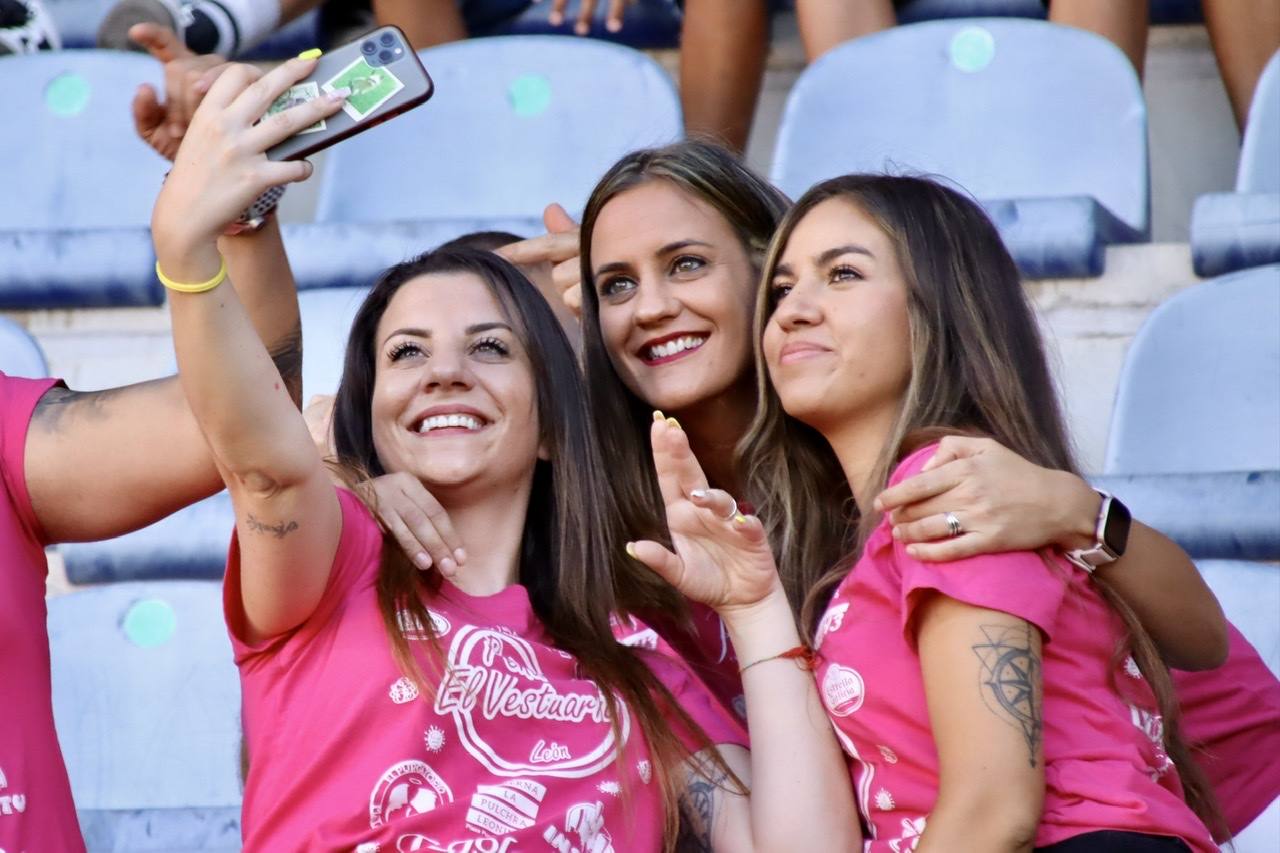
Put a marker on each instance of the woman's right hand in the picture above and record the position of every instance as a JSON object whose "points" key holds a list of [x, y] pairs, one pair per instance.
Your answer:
{"points": [[418, 522], [722, 558], [221, 166]]}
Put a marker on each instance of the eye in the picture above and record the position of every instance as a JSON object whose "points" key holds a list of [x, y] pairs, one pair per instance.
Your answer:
{"points": [[404, 349], [845, 272], [616, 286], [777, 291], [686, 264], [492, 347]]}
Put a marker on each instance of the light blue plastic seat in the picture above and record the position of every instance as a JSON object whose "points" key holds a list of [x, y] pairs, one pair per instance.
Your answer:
{"points": [[1046, 125], [20, 355], [1250, 597], [147, 703], [1200, 387], [1241, 229], [73, 230], [516, 122]]}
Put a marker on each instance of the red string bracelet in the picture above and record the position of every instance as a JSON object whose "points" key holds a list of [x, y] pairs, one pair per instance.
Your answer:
{"points": [[804, 657]]}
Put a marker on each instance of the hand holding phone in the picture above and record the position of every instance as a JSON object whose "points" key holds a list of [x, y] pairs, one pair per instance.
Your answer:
{"points": [[384, 77]]}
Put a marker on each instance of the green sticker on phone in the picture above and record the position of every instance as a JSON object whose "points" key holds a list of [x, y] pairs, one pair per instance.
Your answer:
{"points": [[296, 95], [370, 88]]}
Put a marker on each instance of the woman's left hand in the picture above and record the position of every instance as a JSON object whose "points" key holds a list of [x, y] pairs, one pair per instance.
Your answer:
{"points": [[1002, 501], [222, 166]]}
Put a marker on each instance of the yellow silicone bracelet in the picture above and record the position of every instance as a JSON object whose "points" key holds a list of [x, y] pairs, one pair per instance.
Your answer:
{"points": [[193, 288]]}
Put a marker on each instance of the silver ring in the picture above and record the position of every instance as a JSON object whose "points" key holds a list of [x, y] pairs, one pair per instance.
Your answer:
{"points": [[733, 513], [954, 527]]}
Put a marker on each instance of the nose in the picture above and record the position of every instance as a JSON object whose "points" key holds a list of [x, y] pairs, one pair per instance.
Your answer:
{"points": [[654, 303], [799, 308], [445, 370]]}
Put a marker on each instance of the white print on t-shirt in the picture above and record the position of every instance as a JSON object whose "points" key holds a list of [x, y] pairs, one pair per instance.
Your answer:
{"points": [[884, 800], [586, 821], [494, 682], [842, 690], [1131, 668], [645, 769], [407, 788], [1152, 725], [646, 639], [411, 628], [403, 690], [889, 756], [863, 772], [367, 847], [610, 787], [11, 803], [506, 808], [413, 843], [433, 739], [910, 838], [831, 621]]}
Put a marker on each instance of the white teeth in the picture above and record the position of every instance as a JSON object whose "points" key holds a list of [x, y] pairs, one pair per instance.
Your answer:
{"points": [[670, 348], [448, 421]]}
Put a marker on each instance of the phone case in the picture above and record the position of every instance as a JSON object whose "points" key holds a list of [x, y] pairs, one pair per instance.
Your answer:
{"points": [[385, 76]]}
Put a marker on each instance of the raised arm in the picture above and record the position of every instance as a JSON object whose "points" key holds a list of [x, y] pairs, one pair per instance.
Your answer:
{"points": [[800, 797], [984, 689], [1006, 503], [87, 448], [287, 512]]}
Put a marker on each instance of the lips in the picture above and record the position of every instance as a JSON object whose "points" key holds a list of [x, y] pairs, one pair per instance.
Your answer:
{"points": [[800, 351], [671, 347]]}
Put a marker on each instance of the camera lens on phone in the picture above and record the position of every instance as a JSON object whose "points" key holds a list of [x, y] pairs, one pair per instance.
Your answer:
{"points": [[368, 48], [388, 39], [385, 55]]}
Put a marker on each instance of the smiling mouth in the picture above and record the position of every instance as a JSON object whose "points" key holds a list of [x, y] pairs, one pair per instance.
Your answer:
{"points": [[671, 350], [449, 424]]}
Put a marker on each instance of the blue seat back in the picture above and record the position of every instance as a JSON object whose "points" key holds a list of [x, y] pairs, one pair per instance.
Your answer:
{"points": [[146, 696], [1007, 108], [20, 355], [326, 323], [1259, 170], [76, 160], [1250, 597], [516, 122], [1200, 386]]}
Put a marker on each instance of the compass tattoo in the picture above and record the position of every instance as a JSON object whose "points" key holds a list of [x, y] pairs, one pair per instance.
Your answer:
{"points": [[1011, 680]]}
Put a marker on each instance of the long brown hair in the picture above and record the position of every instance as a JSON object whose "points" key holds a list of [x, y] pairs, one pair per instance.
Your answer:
{"points": [[752, 207], [571, 559], [977, 366]]}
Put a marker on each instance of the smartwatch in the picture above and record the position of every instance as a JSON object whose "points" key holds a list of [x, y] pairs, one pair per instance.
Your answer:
{"points": [[1111, 535]]}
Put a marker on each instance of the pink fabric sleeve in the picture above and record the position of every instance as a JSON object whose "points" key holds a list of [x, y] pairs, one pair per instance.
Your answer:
{"points": [[356, 561], [18, 399], [697, 701], [1019, 583]]}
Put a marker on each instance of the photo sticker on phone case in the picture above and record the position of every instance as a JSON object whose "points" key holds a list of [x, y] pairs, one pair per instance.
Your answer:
{"points": [[296, 95], [370, 88]]}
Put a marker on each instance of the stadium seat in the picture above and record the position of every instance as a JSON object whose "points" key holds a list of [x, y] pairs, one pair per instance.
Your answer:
{"points": [[1200, 386], [1250, 597], [516, 122], [646, 24], [986, 103], [77, 234], [146, 699], [1241, 229], [20, 355], [77, 22], [326, 324]]}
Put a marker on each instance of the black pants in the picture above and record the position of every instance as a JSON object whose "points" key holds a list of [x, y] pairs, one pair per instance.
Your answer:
{"points": [[1112, 841]]}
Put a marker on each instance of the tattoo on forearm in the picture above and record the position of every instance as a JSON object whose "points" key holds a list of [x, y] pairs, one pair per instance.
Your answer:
{"points": [[1011, 680], [278, 530], [697, 806], [287, 355]]}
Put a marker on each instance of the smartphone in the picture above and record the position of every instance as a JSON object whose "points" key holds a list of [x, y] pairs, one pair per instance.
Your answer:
{"points": [[385, 77]]}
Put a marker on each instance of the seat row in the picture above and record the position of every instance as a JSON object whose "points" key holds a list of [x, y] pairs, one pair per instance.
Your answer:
{"points": [[1046, 125]]}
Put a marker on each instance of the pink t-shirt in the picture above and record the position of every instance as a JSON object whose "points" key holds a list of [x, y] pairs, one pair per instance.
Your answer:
{"points": [[1232, 714], [36, 812], [1103, 766], [514, 751]]}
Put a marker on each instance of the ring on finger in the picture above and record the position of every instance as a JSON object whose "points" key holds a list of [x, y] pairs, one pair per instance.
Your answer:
{"points": [[954, 527]]}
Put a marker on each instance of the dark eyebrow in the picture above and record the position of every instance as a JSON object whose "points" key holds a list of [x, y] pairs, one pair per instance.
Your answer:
{"points": [[782, 269], [831, 254], [426, 333]]}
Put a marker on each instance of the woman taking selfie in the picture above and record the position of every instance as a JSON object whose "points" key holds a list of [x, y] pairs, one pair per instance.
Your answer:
{"points": [[982, 700], [388, 708]]}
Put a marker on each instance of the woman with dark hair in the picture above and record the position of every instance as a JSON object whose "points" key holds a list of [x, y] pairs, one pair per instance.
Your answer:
{"points": [[389, 708], [989, 703]]}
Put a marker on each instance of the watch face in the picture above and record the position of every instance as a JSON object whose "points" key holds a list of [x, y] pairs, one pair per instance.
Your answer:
{"points": [[1115, 532]]}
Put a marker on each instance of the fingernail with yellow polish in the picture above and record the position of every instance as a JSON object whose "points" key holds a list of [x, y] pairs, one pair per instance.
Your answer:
{"points": [[739, 519], [658, 416], [672, 422], [314, 53]]}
